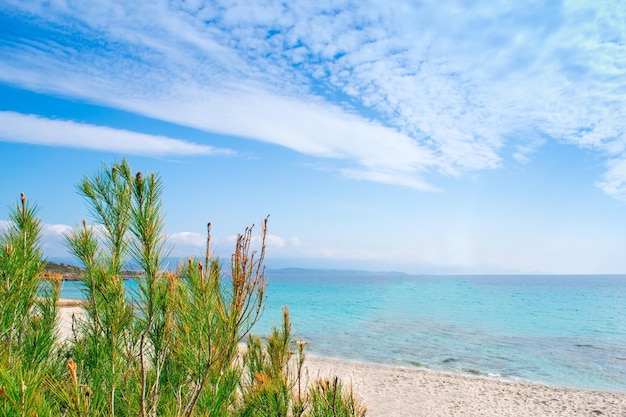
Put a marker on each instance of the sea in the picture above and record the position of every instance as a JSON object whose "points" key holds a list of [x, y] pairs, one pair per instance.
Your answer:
{"points": [[560, 330]]}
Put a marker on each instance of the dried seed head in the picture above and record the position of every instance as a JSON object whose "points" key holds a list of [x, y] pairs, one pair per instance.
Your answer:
{"points": [[171, 280], [261, 377], [71, 366], [3, 392]]}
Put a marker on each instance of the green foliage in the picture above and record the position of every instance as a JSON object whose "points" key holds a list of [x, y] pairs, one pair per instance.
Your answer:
{"points": [[275, 383], [328, 399], [274, 378], [28, 314], [173, 349]]}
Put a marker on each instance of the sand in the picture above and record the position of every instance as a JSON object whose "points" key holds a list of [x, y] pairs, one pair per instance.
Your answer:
{"points": [[66, 311], [410, 392], [399, 392]]}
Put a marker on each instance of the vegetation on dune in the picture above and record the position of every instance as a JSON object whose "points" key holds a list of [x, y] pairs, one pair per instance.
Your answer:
{"points": [[75, 273], [67, 272], [173, 350]]}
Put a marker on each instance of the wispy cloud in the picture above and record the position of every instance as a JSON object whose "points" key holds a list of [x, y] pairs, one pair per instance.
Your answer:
{"points": [[17, 127], [395, 93], [614, 180], [193, 239], [193, 243], [181, 243], [58, 230], [271, 241], [390, 177], [52, 239], [434, 249]]}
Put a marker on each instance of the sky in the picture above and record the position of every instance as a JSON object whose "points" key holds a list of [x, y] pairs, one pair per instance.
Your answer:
{"points": [[414, 136]]}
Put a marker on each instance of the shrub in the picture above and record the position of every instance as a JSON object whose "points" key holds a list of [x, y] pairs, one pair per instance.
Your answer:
{"points": [[171, 350], [28, 315]]}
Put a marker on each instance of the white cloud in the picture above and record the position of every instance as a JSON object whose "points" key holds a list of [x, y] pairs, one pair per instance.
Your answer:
{"points": [[432, 250], [184, 242], [527, 144], [17, 127], [181, 243], [390, 177], [56, 230], [271, 241], [614, 180], [308, 127], [53, 239], [193, 239], [394, 92], [51, 236]]}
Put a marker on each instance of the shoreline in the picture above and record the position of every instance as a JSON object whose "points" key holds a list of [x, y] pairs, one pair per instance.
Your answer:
{"points": [[391, 391], [478, 376], [394, 391]]}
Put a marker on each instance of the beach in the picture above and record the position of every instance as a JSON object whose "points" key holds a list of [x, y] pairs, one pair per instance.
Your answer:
{"points": [[389, 391], [67, 309], [402, 392]]}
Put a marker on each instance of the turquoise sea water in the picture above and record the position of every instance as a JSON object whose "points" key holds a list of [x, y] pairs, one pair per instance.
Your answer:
{"points": [[557, 330]]}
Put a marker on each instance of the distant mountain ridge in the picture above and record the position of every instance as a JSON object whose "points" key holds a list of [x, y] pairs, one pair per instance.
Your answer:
{"points": [[74, 273]]}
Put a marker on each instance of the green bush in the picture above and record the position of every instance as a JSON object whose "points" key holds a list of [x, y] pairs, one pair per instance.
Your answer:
{"points": [[174, 349], [28, 315]]}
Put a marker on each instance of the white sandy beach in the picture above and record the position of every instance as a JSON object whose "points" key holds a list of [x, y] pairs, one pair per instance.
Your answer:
{"points": [[406, 392], [401, 392]]}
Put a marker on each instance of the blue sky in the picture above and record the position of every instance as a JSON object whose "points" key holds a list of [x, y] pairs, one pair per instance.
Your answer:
{"points": [[476, 137]]}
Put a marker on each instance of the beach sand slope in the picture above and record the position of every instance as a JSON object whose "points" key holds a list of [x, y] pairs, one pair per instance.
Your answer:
{"points": [[402, 392], [406, 392]]}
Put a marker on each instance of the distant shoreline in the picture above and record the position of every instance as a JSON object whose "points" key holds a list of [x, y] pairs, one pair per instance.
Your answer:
{"points": [[69, 272], [70, 302]]}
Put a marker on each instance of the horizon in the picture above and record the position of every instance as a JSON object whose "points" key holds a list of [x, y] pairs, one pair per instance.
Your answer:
{"points": [[129, 267], [417, 138]]}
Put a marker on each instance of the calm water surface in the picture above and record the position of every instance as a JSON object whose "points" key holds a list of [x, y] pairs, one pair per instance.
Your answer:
{"points": [[559, 330]]}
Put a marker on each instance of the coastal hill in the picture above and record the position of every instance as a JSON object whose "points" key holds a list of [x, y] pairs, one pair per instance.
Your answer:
{"points": [[69, 272], [74, 273]]}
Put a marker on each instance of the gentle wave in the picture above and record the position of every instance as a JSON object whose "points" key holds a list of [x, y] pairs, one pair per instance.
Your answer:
{"points": [[557, 330]]}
